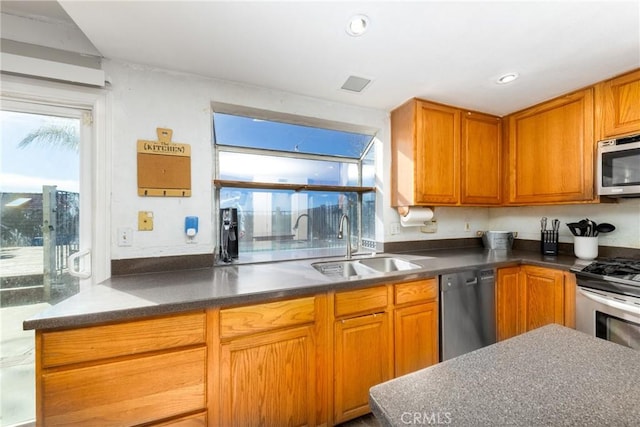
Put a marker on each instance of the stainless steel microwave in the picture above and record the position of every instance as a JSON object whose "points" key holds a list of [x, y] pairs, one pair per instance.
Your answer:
{"points": [[618, 167]]}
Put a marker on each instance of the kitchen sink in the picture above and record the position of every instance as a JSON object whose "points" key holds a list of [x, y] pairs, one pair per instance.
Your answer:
{"points": [[388, 264], [363, 267], [344, 269]]}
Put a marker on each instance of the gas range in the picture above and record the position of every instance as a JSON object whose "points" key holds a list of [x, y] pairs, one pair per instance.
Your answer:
{"points": [[618, 275]]}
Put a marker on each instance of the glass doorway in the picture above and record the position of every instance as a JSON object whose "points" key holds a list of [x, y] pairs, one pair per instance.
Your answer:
{"points": [[40, 202]]}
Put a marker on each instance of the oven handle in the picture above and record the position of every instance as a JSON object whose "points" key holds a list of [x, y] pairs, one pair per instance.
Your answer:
{"points": [[606, 301]]}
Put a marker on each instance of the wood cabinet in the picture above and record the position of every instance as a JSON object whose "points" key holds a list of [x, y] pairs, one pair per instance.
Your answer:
{"points": [[415, 326], [551, 151], [481, 160], [144, 371], [618, 105], [362, 354], [438, 153], [529, 297], [269, 364], [361, 360]]}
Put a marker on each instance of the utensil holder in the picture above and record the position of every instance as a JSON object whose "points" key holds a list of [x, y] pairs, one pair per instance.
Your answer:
{"points": [[585, 247], [549, 242]]}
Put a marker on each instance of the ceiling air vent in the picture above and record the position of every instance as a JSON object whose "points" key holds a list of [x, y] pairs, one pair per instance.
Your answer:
{"points": [[355, 84]]}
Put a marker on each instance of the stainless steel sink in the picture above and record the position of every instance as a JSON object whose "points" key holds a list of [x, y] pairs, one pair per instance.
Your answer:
{"points": [[388, 264], [344, 269], [363, 267]]}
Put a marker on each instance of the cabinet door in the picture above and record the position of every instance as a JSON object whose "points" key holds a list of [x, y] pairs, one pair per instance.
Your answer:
{"points": [[416, 337], [620, 105], [544, 297], [437, 154], [551, 150], [362, 360], [509, 304], [269, 379], [481, 175]]}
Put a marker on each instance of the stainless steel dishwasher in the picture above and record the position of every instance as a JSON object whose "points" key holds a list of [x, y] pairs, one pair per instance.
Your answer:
{"points": [[467, 312]]}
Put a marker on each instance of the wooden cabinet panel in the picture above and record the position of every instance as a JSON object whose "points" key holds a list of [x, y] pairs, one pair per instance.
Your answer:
{"points": [[197, 420], [421, 290], [551, 151], [415, 337], [509, 305], [481, 160], [361, 360], [126, 392], [437, 154], [544, 297], [619, 100], [361, 301], [263, 317], [269, 379], [101, 342]]}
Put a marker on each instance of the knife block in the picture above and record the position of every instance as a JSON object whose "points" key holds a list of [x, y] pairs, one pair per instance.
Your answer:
{"points": [[549, 242]]}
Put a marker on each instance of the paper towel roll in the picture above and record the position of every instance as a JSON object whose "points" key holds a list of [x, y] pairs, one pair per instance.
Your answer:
{"points": [[416, 217]]}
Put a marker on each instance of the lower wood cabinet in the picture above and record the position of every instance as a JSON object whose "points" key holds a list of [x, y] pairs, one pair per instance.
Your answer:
{"points": [[529, 297], [361, 360], [269, 379], [152, 370], [303, 361]]}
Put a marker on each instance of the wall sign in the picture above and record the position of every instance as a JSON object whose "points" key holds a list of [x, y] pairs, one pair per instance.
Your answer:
{"points": [[164, 167]]}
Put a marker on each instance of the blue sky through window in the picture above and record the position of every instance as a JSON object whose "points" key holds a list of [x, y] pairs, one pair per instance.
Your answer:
{"points": [[241, 131]]}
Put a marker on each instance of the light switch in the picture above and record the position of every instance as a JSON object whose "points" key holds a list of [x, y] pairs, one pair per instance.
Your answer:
{"points": [[145, 221]]}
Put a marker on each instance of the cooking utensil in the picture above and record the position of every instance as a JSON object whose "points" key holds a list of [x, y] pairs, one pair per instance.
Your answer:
{"points": [[605, 227], [575, 228], [543, 224]]}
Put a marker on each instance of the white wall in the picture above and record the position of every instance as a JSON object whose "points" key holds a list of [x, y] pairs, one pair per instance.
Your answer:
{"points": [[624, 215], [143, 99]]}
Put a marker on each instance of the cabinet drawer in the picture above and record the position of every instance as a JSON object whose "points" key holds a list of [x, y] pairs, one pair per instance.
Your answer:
{"points": [[126, 392], [122, 339], [422, 290], [264, 317], [361, 301]]}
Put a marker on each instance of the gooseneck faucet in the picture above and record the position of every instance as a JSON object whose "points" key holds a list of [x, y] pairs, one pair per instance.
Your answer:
{"points": [[344, 218]]}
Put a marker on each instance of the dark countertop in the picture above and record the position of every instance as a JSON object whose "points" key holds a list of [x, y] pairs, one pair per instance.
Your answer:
{"points": [[547, 377], [134, 296]]}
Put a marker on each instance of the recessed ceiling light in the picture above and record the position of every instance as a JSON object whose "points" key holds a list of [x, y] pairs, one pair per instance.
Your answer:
{"points": [[507, 78], [357, 25]]}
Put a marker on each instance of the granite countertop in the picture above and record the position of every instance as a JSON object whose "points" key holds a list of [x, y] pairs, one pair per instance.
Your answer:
{"points": [[134, 296], [549, 376]]}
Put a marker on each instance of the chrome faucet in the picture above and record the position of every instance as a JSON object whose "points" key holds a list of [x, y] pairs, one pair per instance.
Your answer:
{"points": [[349, 249], [309, 229]]}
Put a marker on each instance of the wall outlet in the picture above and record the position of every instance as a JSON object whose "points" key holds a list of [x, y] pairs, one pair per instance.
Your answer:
{"points": [[467, 226], [430, 227], [395, 228], [125, 236]]}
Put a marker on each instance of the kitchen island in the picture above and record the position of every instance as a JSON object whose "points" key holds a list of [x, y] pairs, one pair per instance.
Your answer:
{"points": [[549, 376]]}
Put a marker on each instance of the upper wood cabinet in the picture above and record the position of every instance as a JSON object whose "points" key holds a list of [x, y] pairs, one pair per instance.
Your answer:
{"points": [[618, 102], [481, 160], [438, 154], [551, 151], [425, 146]]}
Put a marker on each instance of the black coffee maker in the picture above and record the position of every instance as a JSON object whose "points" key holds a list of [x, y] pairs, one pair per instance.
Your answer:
{"points": [[228, 234]]}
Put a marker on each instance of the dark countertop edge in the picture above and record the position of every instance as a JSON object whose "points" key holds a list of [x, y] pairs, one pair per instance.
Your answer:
{"points": [[152, 310]]}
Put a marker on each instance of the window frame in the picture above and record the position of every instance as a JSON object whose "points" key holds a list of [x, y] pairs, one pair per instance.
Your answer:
{"points": [[218, 183]]}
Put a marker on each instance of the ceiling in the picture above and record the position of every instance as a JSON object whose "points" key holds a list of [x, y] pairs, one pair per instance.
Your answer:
{"points": [[445, 51]]}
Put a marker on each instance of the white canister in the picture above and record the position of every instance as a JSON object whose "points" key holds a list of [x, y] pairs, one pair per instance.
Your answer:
{"points": [[585, 247]]}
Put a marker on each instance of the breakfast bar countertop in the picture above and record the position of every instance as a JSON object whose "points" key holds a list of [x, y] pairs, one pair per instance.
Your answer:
{"points": [[547, 377], [134, 296]]}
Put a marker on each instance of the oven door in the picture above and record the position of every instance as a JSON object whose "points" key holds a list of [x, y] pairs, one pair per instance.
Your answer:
{"points": [[609, 316]]}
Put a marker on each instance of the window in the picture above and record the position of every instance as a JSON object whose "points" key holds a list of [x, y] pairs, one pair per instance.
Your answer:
{"points": [[291, 184]]}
